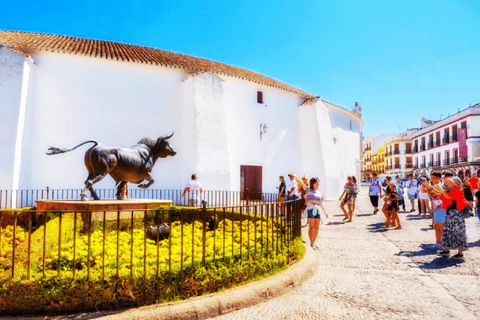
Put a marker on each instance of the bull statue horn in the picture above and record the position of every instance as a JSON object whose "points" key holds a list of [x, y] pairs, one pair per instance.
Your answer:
{"points": [[168, 137]]}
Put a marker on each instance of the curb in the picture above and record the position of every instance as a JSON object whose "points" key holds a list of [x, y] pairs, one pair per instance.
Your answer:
{"points": [[220, 303]]}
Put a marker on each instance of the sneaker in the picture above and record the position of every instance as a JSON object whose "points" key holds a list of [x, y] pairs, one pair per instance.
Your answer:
{"points": [[444, 253], [458, 256]]}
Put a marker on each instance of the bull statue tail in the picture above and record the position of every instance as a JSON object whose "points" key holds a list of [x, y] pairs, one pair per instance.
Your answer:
{"points": [[53, 150]]}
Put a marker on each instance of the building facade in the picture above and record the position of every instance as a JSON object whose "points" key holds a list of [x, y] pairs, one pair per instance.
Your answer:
{"points": [[450, 144], [232, 127], [399, 154]]}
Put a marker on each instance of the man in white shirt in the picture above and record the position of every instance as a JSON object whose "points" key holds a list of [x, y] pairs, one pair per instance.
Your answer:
{"points": [[292, 187], [412, 187], [375, 192], [194, 189]]}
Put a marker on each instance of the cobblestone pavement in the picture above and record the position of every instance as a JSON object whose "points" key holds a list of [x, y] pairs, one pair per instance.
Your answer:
{"points": [[367, 272]]}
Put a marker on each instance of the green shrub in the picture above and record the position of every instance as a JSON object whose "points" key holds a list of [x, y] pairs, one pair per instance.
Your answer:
{"points": [[169, 276]]}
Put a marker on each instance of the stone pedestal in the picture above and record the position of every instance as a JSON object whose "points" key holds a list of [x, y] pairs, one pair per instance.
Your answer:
{"points": [[112, 208]]}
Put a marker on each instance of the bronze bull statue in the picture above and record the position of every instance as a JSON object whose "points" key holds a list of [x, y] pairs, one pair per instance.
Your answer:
{"points": [[132, 164]]}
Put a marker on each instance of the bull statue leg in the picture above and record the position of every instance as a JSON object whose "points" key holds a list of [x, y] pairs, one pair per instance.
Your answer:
{"points": [[146, 185], [91, 180], [120, 187]]}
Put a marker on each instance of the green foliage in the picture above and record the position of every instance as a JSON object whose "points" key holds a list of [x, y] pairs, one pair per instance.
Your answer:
{"points": [[107, 278]]}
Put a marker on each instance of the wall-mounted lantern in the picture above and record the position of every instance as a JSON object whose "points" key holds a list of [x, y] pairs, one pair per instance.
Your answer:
{"points": [[334, 140], [263, 130]]}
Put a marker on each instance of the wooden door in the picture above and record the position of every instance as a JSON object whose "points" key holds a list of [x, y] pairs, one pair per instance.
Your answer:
{"points": [[251, 182]]}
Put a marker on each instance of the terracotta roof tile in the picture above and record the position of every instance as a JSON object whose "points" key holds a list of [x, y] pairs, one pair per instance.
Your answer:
{"points": [[28, 43]]}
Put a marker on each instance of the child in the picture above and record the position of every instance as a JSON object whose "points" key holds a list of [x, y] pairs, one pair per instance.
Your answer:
{"points": [[390, 207]]}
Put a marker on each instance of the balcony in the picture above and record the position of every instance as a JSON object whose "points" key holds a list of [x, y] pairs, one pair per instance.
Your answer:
{"points": [[454, 137], [430, 144], [422, 147], [397, 166], [396, 152], [437, 142], [454, 160], [416, 167], [437, 163], [446, 162], [423, 166], [408, 151], [409, 166], [430, 164], [446, 140], [463, 160]]}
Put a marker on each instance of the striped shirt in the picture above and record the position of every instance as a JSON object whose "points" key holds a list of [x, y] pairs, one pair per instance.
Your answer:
{"points": [[313, 197]]}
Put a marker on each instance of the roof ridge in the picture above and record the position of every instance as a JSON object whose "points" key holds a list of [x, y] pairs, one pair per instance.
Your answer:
{"points": [[31, 41]]}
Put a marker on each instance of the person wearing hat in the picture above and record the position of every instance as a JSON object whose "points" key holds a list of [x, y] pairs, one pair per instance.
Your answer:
{"points": [[438, 216], [292, 187], [454, 230]]}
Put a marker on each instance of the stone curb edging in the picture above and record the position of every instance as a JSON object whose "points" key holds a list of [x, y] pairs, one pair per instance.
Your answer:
{"points": [[216, 304]]}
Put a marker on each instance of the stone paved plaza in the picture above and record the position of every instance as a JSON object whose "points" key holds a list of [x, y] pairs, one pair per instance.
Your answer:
{"points": [[367, 272]]}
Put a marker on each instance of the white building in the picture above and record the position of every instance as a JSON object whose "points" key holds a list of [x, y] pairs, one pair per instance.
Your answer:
{"points": [[399, 154], [234, 128], [450, 144]]}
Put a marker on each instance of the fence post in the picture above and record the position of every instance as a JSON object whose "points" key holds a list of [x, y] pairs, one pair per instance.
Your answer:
{"points": [[204, 239]]}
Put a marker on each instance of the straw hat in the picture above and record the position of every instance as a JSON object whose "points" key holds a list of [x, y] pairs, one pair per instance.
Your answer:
{"points": [[455, 180], [437, 189], [305, 177]]}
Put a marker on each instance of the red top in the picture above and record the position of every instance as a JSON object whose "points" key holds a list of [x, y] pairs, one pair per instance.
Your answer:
{"points": [[455, 194], [474, 182]]}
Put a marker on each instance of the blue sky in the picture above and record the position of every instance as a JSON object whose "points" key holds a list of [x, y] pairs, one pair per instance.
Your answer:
{"points": [[402, 60]]}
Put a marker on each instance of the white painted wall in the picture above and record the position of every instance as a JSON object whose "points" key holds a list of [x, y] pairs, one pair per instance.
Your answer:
{"points": [[11, 77], [72, 98], [76, 98]]}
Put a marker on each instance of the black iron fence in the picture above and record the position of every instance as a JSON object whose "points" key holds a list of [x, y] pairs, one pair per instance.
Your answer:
{"points": [[141, 244], [27, 198]]}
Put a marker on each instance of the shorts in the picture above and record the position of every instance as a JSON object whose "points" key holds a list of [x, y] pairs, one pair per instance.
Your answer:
{"points": [[311, 216], [355, 194], [348, 201], [412, 196], [439, 215], [374, 201]]}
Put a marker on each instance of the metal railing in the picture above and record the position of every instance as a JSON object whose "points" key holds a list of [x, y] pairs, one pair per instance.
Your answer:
{"points": [[27, 198], [99, 244]]}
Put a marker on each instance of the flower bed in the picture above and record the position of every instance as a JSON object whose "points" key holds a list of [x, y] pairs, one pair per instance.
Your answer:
{"points": [[123, 267]]}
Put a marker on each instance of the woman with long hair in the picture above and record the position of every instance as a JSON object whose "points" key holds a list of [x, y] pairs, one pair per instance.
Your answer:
{"points": [[313, 199], [390, 207]]}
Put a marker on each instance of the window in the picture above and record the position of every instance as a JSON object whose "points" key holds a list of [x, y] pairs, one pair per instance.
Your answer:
{"points": [[446, 136], [259, 97], [454, 133], [408, 148], [446, 161], [430, 141], [437, 138]]}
